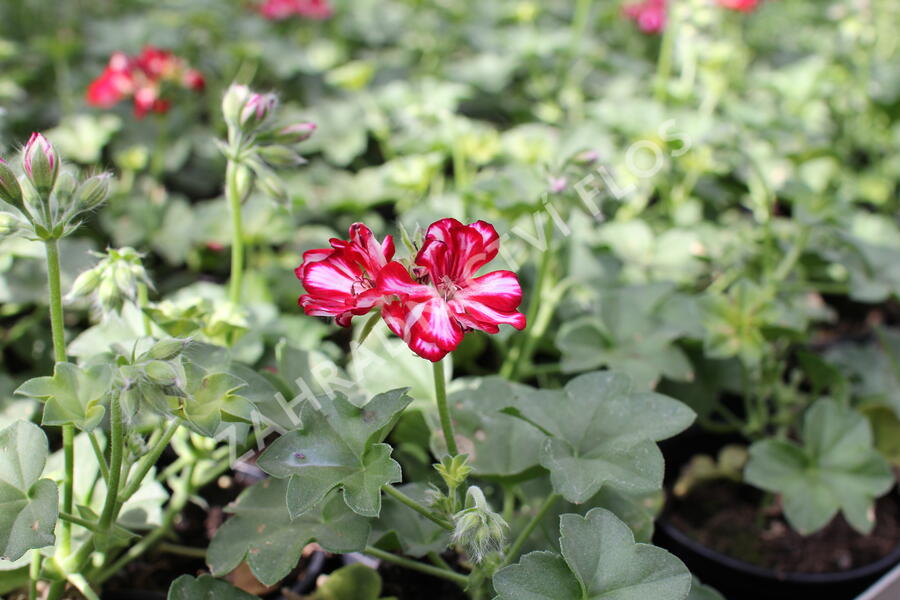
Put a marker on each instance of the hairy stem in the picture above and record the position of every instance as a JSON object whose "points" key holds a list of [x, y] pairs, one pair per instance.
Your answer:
{"points": [[233, 195], [116, 448], [440, 393], [422, 510], [413, 565], [513, 552]]}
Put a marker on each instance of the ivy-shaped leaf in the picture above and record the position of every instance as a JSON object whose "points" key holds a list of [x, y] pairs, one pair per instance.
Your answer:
{"points": [[338, 446], [29, 505], [263, 533], [498, 444], [599, 559], [703, 592], [836, 468], [205, 587], [73, 395], [601, 432]]}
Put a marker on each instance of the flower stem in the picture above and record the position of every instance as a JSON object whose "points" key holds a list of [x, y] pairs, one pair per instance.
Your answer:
{"points": [[440, 394], [457, 578], [79, 521], [233, 196], [147, 462], [34, 574], [59, 355], [664, 63], [82, 585], [116, 447], [513, 552], [180, 550], [422, 510], [98, 452]]}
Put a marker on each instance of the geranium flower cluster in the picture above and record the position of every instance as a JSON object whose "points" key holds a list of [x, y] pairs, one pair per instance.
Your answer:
{"points": [[277, 10], [431, 303], [739, 5], [142, 78]]}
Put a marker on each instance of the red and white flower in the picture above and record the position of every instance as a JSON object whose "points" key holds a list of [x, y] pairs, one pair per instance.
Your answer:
{"points": [[341, 281], [435, 306]]}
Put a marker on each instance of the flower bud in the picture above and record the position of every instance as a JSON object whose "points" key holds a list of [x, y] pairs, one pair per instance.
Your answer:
{"points": [[454, 470], [109, 296], [92, 192], [8, 224], [41, 163], [479, 530], [270, 184], [558, 184], [233, 101], [294, 134], [10, 191], [86, 283], [166, 349], [587, 157], [160, 372], [280, 156], [256, 110]]}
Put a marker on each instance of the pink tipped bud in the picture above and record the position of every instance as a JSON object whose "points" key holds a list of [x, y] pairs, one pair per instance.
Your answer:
{"points": [[558, 184], [41, 163], [296, 133], [194, 80], [588, 157], [257, 109]]}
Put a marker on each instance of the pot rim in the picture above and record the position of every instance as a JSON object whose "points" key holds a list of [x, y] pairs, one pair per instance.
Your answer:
{"points": [[868, 570]]}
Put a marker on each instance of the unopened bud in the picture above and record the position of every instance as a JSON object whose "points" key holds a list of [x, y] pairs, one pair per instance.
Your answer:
{"points": [[233, 101], [558, 184], [92, 192], [109, 296], [280, 156], [294, 134], [166, 349], [41, 163], [587, 157], [271, 185], [256, 110], [161, 372], [480, 530], [86, 283], [454, 470], [10, 191]]}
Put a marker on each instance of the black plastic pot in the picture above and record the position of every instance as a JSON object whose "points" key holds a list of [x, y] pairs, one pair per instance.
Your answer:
{"points": [[740, 580]]}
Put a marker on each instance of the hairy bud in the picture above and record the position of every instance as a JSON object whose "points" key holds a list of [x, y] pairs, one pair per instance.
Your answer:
{"points": [[41, 163], [478, 529], [10, 191]]}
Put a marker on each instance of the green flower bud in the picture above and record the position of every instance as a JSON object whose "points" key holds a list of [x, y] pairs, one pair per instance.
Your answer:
{"points": [[10, 191], [233, 101], [92, 192], [86, 283], [280, 156], [166, 349], [478, 529], [454, 470], [161, 372], [256, 110], [109, 296], [271, 185], [41, 163]]}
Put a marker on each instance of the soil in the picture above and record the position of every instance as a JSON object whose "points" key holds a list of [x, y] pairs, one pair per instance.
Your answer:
{"points": [[410, 585], [726, 517]]}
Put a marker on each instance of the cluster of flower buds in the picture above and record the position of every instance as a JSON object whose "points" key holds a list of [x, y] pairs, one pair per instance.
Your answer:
{"points": [[478, 529], [142, 78], [257, 142], [48, 200], [278, 10], [113, 280]]}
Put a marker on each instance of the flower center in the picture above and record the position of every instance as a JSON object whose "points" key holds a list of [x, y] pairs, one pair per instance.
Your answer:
{"points": [[361, 285], [447, 288]]}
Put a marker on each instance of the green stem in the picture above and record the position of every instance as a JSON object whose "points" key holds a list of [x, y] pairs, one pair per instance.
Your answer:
{"points": [[438, 561], [513, 552], [101, 460], [80, 522], [579, 24], [790, 259], [143, 302], [422, 510], [413, 565], [440, 394], [82, 585], [180, 550], [116, 447], [233, 195], [519, 352], [34, 574], [664, 63], [57, 589], [59, 355], [148, 461]]}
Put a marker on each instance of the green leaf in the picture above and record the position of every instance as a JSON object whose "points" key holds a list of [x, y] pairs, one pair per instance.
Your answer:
{"points": [[836, 468], [213, 399], [416, 535], [29, 506], [73, 395], [498, 444], [263, 533], [205, 587], [601, 433], [599, 560], [338, 446], [703, 592]]}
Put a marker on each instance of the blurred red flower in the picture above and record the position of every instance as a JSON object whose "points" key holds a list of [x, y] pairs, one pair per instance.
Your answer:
{"points": [[649, 15], [277, 10]]}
